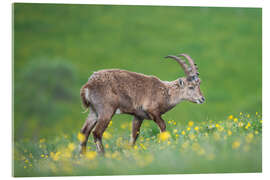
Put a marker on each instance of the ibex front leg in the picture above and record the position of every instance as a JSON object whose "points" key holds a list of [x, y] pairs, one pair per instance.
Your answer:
{"points": [[160, 122], [136, 124]]}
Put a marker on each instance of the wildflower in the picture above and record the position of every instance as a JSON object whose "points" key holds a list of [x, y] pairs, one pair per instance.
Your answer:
{"points": [[26, 161], [135, 147], [188, 129], [190, 123], [110, 124], [235, 120], [143, 147], [55, 156], [24, 167], [42, 140], [91, 155], [229, 132], [106, 146], [175, 131], [261, 121], [174, 123], [169, 142], [241, 113], [256, 132], [248, 115], [71, 146], [235, 144], [30, 165], [31, 155], [240, 124], [176, 135], [183, 132], [217, 125], [248, 125], [81, 137], [257, 113], [164, 136], [42, 155], [196, 128], [231, 117], [107, 135]]}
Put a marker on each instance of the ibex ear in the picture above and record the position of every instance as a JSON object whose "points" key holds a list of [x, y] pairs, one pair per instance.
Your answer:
{"points": [[181, 82]]}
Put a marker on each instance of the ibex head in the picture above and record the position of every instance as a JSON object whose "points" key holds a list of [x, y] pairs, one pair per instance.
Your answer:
{"points": [[190, 85]]}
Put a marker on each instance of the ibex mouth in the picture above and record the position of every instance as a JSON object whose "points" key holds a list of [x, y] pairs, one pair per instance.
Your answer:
{"points": [[200, 101]]}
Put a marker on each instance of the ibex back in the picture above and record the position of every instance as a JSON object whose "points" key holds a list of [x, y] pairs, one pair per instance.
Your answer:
{"points": [[115, 91]]}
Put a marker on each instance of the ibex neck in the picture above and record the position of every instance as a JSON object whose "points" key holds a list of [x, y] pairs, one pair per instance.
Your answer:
{"points": [[174, 93]]}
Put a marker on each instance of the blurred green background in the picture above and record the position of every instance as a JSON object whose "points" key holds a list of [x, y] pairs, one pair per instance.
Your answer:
{"points": [[57, 47]]}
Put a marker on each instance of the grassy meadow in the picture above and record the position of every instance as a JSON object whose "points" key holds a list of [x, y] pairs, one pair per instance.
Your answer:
{"points": [[57, 47]]}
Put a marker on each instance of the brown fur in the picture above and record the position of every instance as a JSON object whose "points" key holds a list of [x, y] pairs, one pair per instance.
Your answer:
{"points": [[143, 96]]}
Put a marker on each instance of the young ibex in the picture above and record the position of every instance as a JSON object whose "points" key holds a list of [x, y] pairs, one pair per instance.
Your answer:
{"points": [[115, 91]]}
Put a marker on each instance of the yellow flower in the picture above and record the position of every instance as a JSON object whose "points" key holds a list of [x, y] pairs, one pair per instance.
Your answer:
{"points": [[106, 146], [177, 135], [183, 132], [188, 129], [26, 161], [190, 123], [164, 136], [71, 146], [257, 113], [81, 137], [42, 140], [241, 113], [91, 155], [55, 156], [135, 147], [248, 115], [248, 125], [196, 128], [235, 119], [235, 144], [174, 123], [175, 131], [256, 132], [169, 142], [24, 167], [261, 121], [110, 124], [107, 135], [229, 132], [42, 155], [231, 117], [217, 125]]}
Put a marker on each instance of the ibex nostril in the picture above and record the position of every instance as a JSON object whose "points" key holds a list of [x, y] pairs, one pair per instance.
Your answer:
{"points": [[203, 99]]}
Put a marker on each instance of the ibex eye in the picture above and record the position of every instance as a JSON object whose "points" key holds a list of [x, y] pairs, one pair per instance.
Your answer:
{"points": [[191, 87]]}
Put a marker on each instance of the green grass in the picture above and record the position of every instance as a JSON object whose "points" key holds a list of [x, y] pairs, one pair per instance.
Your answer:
{"points": [[57, 47], [227, 146]]}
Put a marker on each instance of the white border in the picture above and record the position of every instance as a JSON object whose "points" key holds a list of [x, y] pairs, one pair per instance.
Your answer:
{"points": [[6, 79]]}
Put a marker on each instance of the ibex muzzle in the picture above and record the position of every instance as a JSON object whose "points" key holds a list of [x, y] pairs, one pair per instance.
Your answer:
{"points": [[112, 91]]}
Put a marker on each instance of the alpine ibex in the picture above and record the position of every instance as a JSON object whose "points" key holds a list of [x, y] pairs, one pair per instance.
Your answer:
{"points": [[115, 91]]}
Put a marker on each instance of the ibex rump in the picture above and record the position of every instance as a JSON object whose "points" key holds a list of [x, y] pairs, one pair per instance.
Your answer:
{"points": [[115, 91]]}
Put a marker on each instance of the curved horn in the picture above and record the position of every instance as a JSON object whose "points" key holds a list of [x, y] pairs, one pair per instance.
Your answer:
{"points": [[191, 62], [181, 62]]}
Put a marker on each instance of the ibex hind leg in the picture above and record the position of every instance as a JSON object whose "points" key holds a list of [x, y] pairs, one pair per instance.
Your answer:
{"points": [[103, 121], [88, 126]]}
